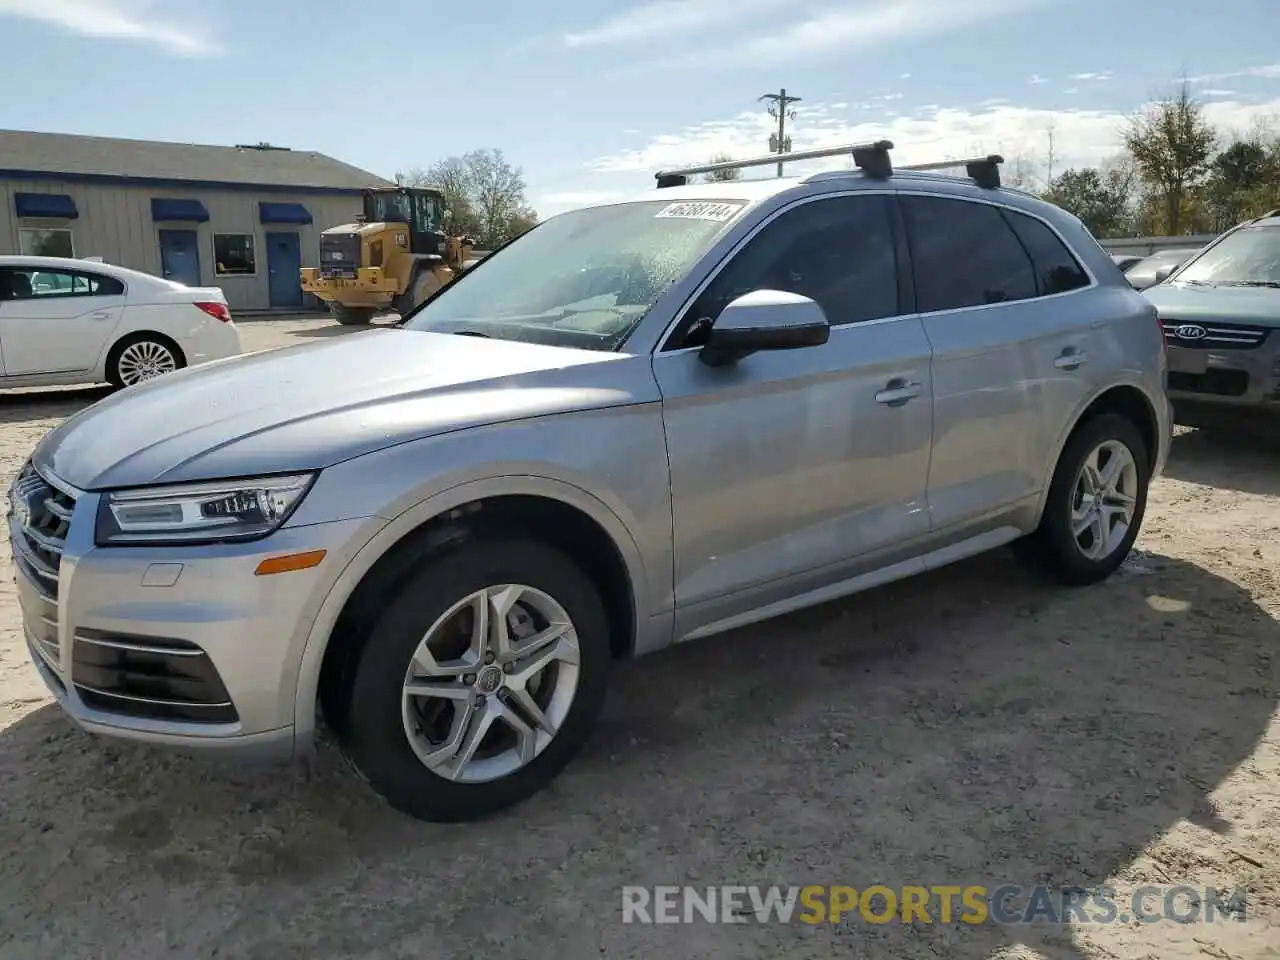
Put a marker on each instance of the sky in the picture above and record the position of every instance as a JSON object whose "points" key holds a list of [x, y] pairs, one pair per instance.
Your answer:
{"points": [[590, 97]]}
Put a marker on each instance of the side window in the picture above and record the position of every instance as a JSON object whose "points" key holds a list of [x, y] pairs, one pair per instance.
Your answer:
{"points": [[39, 284], [838, 251], [1057, 270], [964, 255]]}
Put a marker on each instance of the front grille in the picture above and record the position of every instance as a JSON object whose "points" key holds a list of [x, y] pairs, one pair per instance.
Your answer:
{"points": [[1216, 336], [1219, 383], [160, 679], [44, 516], [339, 254]]}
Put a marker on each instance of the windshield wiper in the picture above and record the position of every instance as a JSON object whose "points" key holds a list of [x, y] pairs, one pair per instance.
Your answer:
{"points": [[1250, 283]]}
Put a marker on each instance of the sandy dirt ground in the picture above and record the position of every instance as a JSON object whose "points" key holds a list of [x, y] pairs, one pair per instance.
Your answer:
{"points": [[969, 727]]}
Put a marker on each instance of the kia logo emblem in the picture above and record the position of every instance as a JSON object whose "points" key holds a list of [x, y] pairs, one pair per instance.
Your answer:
{"points": [[1190, 331]]}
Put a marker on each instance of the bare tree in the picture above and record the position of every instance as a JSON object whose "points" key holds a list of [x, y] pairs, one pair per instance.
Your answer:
{"points": [[722, 176], [1020, 174], [1050, 155], [484, 193], [1172, 145]]}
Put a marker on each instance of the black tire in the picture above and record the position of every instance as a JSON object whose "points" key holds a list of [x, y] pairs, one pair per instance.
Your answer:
{"points": [[1051, 549], [352, 316], [373, 735], [117, 377]]}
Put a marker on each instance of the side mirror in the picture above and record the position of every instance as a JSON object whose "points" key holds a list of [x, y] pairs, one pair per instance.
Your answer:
{"points": [[1163, 274], [764, 320]]}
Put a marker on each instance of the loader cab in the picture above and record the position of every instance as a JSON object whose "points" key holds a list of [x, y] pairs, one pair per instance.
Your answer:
{"points": [[422, 210]]}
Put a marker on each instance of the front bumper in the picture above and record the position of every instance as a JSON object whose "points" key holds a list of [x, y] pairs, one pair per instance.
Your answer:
{"points": [[369, 285], [176, 646], [1226, 378]]}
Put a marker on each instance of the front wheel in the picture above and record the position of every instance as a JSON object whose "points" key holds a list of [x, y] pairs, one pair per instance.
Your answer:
{"points": [[352, 316], [479, 682], [1095, 505]]}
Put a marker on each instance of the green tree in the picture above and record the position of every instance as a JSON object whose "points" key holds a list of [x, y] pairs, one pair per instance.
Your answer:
{"points": [[722, 176], [1244, 181], [1092, 197], [1172, 145]]}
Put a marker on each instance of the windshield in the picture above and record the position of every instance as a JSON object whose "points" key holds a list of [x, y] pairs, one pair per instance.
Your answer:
{"points": [[389, 208], [1249, 257], [582, 279]]}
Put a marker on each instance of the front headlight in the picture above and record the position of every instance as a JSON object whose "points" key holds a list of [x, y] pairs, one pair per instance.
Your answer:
{"points": [[214, 512]]}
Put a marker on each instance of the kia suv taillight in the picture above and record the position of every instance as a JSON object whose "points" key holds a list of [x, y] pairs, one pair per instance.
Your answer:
{"points": [[219, 311]]}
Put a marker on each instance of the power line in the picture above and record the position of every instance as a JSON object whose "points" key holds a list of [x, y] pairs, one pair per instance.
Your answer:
{"points": [[779, 106]]}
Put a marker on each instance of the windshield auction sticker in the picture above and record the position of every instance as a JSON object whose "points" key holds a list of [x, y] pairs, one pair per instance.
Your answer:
{"points": [[699, 210]]}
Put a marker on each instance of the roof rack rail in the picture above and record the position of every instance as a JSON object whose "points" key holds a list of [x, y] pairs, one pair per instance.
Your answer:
{"points": [[1269, 214], [984, 171], [870, 157]]}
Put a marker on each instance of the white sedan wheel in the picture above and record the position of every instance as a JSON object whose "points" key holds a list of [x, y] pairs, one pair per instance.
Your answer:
{"points": [[143, 360]]}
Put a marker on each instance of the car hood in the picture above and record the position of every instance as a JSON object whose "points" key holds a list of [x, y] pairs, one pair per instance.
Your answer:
{"points": [[310, 406], [1195, 304]]}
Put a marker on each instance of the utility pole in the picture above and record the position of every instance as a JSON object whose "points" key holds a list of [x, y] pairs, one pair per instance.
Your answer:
{"points": [[779, 106]]}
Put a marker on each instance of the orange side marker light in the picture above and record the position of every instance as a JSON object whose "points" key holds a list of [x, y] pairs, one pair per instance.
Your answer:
{"points": [[290, 562]]}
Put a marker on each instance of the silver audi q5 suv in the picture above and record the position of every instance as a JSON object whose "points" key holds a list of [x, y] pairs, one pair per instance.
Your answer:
{"points": [[638, 424]]}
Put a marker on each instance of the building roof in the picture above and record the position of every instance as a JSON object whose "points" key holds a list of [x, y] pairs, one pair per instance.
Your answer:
{"points": [[25, 154]]}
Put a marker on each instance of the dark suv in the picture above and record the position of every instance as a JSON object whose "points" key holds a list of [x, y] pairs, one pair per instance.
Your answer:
{"points": [[1221, 317]]}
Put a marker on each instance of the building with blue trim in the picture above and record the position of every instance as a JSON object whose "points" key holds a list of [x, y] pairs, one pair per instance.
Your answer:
{"points": [[241, 218]]}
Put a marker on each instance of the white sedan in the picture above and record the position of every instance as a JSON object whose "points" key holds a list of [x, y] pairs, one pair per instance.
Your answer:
{"points": [[82, 321]]}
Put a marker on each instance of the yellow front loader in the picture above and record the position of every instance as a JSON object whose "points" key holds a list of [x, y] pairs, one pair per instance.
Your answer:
{"points": [[395, 256]]}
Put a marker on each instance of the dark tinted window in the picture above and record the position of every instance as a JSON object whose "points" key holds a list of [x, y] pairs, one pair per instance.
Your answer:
{"points": [[838, 251], [965, 255], [31, 283], [1057, 271]]}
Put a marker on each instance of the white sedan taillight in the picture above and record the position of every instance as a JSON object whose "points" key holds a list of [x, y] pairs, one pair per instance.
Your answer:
{"points": [[219, 311]]}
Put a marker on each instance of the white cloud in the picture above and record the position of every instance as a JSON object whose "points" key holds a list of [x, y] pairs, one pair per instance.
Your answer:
{"points": [[140, 20], [657, 19], [1036, 78], [1071, 91], [1213, 92], [1104, 75], [1270, 71], [1081, 137], [863, 24], [904, 76]]}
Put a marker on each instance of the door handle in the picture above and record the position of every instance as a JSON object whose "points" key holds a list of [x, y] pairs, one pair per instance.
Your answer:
{"points": [[1070, 359], [100, 315], [898, 391]]}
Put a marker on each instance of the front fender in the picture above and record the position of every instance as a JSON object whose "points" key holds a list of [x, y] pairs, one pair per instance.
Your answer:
{"points": [[650, 632]]}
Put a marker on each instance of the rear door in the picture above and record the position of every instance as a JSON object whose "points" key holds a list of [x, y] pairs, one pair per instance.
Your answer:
{"points": [[788, 466], [56, 321], [1005, 352]]}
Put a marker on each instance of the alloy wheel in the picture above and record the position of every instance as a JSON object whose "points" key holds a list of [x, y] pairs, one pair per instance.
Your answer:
{"points": [[1103, 500], [144, 360], [490, 683]]}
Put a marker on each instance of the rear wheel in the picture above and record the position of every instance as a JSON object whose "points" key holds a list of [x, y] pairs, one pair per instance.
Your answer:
{"points": [[1095, 504], [479, 682], [140, 357], [352, 316]]}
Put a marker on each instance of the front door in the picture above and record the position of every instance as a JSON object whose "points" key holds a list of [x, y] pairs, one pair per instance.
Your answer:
{"points": [[180, 256], [284, 260], [56, 321], [789, 467]]}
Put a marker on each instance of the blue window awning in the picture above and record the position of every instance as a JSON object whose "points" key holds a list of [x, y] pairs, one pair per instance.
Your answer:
{"points": [[164, 209], [57, 206], [283, 213]]}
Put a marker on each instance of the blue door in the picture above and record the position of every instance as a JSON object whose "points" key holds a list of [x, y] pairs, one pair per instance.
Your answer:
{"points": [[284, 260], [180, 256]]}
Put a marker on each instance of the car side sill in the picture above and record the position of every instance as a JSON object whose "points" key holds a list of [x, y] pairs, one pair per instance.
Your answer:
{"points": [[864, 581]]}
